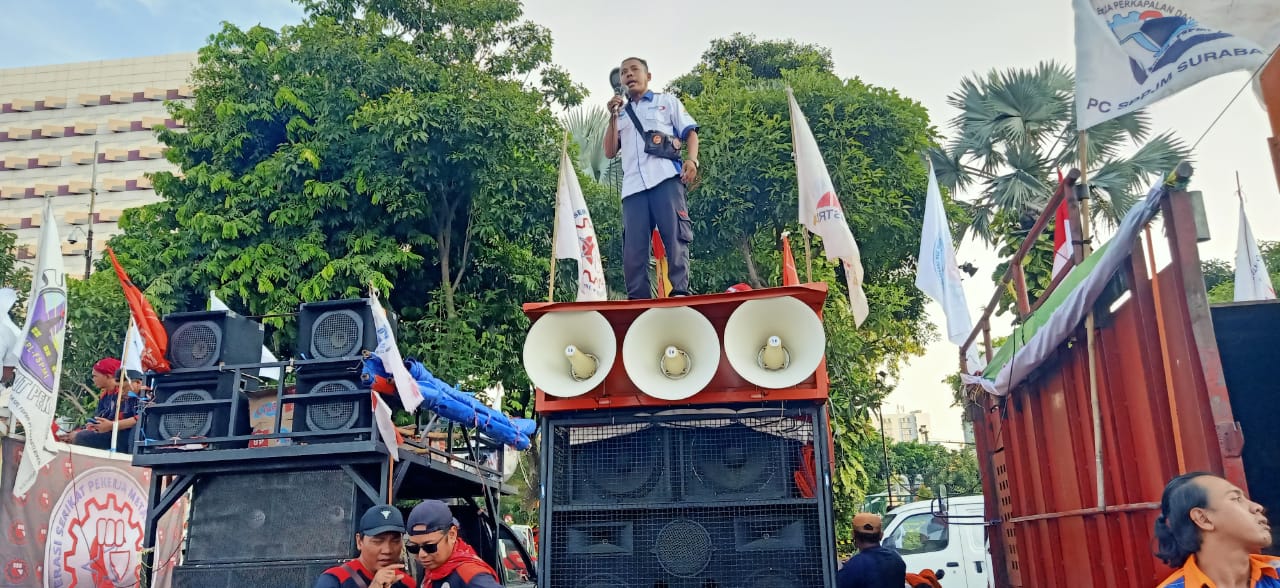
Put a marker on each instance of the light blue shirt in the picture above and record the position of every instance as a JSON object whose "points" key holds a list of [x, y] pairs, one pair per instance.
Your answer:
{"points": [[657, 112]]}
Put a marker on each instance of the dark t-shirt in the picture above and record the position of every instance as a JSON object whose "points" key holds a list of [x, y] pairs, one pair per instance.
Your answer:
{"points": [[341, 577], [107, 406], [874, 567], [465, 577]]}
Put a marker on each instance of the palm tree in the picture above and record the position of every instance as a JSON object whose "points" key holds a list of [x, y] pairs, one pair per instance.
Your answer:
{"points": [[1016, 129], [586, 126]]}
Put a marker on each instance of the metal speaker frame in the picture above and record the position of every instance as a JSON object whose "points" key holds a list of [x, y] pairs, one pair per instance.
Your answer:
{"points": [[336, 329]]}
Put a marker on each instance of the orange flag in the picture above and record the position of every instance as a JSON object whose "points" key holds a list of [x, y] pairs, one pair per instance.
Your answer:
{"points": [[155, 341], [790, 277], [660, 256]]}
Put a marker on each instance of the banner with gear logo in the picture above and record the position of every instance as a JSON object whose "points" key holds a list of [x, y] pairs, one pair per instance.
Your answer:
{"points": [[81, 524]]}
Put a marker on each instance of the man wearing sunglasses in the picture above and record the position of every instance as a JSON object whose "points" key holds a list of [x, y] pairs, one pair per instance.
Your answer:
{"points": [[449, 561], [380, 541]]}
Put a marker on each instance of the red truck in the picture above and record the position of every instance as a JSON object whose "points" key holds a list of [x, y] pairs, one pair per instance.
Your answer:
{"points": [[1078, 435]]}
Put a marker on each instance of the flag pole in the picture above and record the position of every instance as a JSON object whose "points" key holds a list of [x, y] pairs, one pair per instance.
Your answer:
{"points": [[804, 229], [1086, 236], [808, 257], [120, 393], [555, 222]]}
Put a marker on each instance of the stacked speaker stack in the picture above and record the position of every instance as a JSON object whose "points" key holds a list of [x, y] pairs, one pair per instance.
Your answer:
{"points": [[685, 441], [245, 528], [216, 359]]}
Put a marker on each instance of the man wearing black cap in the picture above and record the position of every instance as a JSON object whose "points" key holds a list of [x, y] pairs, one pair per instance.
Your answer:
{"points": [[449, 561], [380, 541], [873, 566]]}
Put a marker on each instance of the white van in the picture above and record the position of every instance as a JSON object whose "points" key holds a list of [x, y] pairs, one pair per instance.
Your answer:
{"points": [[942, 535]]}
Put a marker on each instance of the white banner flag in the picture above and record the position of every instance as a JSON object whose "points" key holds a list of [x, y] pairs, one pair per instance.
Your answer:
{"points": [[392, 361], [132, 352], [386, 426], [938, 274], [820, 209], [1133, 53], [274, 373], [39, 355], [1252, 280], [575, 236]]}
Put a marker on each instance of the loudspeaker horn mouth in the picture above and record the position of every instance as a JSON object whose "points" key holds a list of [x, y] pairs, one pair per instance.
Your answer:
{"points": [[675, 363], [773, 356], [582, 366]]}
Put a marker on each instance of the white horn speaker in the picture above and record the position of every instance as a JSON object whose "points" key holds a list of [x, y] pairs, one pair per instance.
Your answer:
{"points": [[774, 342], [671, 353], [567, 354]]}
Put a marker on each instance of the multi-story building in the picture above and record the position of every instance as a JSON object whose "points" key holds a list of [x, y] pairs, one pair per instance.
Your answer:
{"points": [[53, 118], [906, 427]]}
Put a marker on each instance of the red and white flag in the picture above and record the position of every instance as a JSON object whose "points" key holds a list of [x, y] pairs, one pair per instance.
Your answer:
{"points": [[575, 237], [820, 210], [1063, 248]]}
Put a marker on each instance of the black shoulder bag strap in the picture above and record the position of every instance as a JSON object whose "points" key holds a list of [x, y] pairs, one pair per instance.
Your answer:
{"points": [[635, 120], [355, 576]]}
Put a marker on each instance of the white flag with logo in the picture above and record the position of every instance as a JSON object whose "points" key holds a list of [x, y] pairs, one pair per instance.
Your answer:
{"points": [[575, 236], [38, 356], [1133, 53], [392, 361], [820, 209], [216, 303], [938, 274], [1252, 280]]}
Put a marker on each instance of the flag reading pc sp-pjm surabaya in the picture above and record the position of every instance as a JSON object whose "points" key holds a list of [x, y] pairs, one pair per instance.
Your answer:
{"points": [[38, 356], [1132, 53]]}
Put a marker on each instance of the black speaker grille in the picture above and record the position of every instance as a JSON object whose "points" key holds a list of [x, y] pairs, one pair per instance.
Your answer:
{"points": [[335, 415], [684, 501], [198, 422], [255, 517], [337, 333], [196, 344], [627, 464]]}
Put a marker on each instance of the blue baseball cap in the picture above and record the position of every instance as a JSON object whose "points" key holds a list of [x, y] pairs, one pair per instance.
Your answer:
{"points": [[431, 516]]}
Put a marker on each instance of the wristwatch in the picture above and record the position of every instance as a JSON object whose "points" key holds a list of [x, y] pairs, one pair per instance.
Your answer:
{"points": [[694, 162]]}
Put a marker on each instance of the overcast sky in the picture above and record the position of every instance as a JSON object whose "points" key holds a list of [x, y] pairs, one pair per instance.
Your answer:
{"points": [[920, 47]]}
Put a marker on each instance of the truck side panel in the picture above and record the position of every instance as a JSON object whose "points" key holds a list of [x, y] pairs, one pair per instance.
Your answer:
{"points": [[1158, 417]]}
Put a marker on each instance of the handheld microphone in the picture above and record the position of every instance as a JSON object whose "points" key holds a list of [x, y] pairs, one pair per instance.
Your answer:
{"points": [[615, 81]]}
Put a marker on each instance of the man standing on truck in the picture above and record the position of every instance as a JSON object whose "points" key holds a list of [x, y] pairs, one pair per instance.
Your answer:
{"points": [[873, 566], [449, 561], [1212, 532], [380, 541]]}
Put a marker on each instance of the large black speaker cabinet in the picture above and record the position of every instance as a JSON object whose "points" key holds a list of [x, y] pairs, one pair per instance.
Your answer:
{"points": [[245, 518], [335, 329], [1246, 334], [690, 500], [197, 407], [332, 406], [283, 574], [208, 338]]}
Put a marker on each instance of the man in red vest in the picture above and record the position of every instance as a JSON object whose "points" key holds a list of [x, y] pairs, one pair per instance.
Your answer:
{"points": [[380, 541]]}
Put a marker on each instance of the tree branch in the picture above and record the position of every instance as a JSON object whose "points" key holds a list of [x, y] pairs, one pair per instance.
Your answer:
{"points": [[753, 276], [466, 249]]}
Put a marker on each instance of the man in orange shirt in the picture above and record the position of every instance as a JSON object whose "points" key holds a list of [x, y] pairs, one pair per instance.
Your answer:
{"points": [[1210, 530]]}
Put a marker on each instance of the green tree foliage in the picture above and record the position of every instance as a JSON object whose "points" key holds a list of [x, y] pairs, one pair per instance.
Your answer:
{"points": [[1016, 129], [1220, 275], [390, 144]]}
